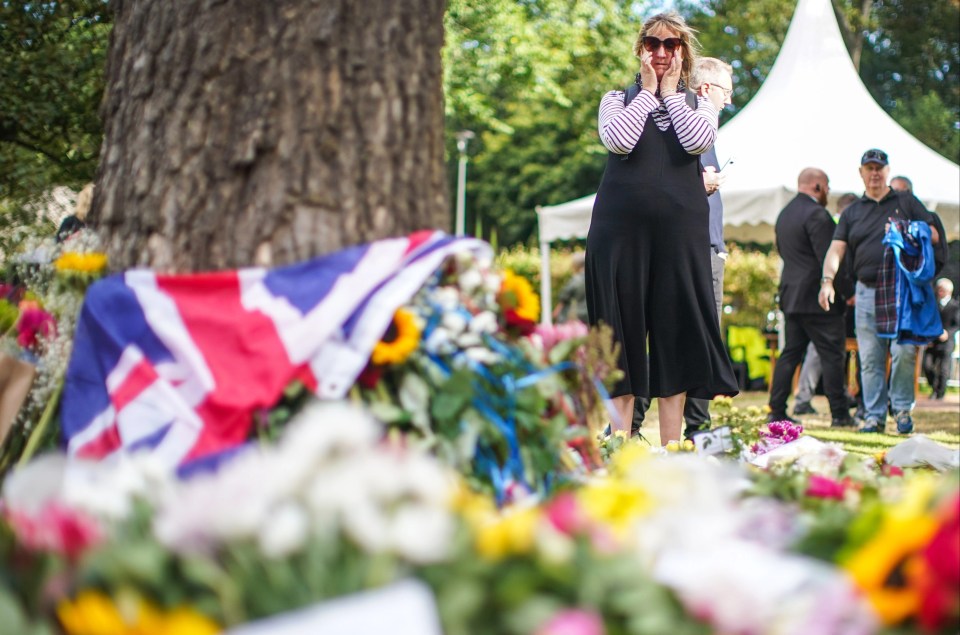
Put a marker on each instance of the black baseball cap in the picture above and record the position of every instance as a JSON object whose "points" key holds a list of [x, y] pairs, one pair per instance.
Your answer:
{"points": [[874, 156]]}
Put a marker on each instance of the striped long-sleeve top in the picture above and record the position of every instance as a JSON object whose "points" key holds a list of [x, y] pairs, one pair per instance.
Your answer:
{"points": [[621, 127]]}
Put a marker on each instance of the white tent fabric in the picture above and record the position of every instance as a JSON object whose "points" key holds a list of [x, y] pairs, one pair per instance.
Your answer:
{"points": [[811, 111]]}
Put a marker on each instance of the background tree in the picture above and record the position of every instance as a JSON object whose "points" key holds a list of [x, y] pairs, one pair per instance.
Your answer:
{"points": [[268, 131]]}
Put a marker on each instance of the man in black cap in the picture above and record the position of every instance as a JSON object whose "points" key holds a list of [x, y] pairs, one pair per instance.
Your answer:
{"points": [[861, 230], [804, 230]]}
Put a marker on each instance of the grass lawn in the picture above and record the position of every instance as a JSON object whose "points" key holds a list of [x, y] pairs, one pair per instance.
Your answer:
{"points": [[938, 420]]}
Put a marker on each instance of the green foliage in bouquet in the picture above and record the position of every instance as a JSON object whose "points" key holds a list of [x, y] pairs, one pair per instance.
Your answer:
{"points": [[465, 372]]}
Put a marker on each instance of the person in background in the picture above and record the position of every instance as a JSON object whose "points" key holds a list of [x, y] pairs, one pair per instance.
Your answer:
{"points": [[938, 357], [804, 230], [811, 371], [76, 221], [861, 230], [572, 299], [901, 184], [648, 271]]}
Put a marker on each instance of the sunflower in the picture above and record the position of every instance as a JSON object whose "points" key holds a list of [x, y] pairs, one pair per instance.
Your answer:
{"points": [[882, 568], [400, 340], [517, 295], [95, 613], [73, 262]]}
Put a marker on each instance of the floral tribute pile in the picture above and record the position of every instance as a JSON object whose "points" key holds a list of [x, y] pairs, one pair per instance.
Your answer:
{"points": [[470, 457], [820, 542]]}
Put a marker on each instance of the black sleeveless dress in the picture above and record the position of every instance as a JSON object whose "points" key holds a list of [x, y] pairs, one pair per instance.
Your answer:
{"points": [[648, 271]]}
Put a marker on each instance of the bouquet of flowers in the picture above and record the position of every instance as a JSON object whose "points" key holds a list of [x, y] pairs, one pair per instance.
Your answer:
{"points": [[465, 371]]}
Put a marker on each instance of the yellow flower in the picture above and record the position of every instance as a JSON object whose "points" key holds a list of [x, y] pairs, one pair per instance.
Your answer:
{"points": [[614, 503], [511, 533], [627, 457], [401, 340], [91, 613], [73, 262], [185, 621], [880, 568], [520, 297], [673, 446], [94, 613]]}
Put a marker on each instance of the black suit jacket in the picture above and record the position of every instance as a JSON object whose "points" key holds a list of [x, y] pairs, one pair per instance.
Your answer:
{"points": [[804, 231]]}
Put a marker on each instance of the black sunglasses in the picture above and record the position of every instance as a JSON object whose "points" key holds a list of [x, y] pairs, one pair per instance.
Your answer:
{"points": [[653, 43]]}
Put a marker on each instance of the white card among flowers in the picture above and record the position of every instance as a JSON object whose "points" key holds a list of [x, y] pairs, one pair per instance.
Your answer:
{"points": [[403, 608], [715, 441]]}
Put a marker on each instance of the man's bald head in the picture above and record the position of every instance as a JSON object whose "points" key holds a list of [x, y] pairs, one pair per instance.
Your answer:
{"points": [[814, 182]]}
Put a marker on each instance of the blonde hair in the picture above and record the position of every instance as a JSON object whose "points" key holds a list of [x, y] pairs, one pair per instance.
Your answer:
{"points": [[688, 39], [84, 202], [707, 69]]}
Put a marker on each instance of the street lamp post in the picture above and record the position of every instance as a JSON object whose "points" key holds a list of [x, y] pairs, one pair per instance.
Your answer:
{"points": [[463, 138]]}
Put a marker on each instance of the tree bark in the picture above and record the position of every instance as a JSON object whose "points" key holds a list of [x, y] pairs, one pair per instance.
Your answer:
{"points": [[266, 132]]}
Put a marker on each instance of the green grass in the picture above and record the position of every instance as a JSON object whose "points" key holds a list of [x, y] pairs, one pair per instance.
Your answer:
{"points": [[941, 425]]}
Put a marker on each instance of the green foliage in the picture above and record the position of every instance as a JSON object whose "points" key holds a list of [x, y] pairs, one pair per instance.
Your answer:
{"points": [[51, 82], [527, 78], [750, 282], [525, 261]]}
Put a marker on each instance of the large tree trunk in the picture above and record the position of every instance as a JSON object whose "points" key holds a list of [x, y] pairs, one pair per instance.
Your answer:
{"points": [[268, 131]]}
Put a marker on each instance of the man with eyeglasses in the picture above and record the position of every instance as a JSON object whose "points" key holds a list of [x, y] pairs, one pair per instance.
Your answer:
{"points": [[861, 230]]}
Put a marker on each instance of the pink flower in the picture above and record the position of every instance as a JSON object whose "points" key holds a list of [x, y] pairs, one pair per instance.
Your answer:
{"points": [[564, 514], [33, 321], [823, 487], [553, 334], [56, 528], [573, 622]]}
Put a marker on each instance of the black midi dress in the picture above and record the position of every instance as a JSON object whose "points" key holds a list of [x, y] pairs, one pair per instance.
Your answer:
{"points": [[648, 271]]}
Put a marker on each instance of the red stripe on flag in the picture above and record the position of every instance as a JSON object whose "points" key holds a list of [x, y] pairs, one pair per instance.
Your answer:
{"points": [[416, 239], [106, 443], [137, 380], [242, 350]]}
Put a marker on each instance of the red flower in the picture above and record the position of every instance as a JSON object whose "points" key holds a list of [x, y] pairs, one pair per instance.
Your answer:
{"points": [[33, 321], [370, 376], [939, 574], [523, 325], [56, 528], [890, 470], [823, 487], [564, 514]]}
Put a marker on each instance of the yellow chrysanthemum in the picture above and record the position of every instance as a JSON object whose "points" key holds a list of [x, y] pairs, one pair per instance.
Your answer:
{"points": [[627, 458], [91, 613], [614, 503], [73, 262], [511, 533], [520, 296], [401, 340]]}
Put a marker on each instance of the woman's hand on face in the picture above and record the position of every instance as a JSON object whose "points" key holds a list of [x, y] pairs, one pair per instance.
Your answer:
{"points": [[671, 79], [648, 76]]}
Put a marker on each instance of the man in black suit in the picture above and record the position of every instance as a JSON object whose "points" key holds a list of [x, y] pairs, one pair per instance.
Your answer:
{"points": [[804, 230]]}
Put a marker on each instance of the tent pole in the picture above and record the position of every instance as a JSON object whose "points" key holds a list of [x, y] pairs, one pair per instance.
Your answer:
{"points": [[546, 302]]}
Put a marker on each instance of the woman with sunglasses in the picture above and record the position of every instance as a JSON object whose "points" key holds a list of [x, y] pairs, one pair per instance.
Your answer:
{"points": [[648, 269]]}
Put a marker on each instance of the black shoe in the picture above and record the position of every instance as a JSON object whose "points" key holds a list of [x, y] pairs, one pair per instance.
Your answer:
{"points": [[783, 417], [852, 402], [804, 409], [843, 421]]}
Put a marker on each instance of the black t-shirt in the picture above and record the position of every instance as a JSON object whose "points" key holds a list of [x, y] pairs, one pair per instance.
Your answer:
{"points": [[862, 225]]}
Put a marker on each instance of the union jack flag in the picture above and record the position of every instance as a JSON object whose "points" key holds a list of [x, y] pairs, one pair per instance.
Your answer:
{"points": [[178, 364]]}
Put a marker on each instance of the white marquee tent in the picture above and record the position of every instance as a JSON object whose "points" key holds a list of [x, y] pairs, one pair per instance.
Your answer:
{"points": [[812, 110]]}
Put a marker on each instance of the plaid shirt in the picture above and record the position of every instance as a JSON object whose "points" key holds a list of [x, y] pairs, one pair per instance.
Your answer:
{"points": [[896, 290]]}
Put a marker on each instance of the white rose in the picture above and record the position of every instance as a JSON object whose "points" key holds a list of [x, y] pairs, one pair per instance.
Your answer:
{"points": [[421, 534], [285, 531], [470, 280], [484, 322], [454, 322]]}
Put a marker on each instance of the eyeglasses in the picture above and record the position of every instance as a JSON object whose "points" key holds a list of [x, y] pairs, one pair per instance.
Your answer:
{"points": [[653, 43], [726, 91]]}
